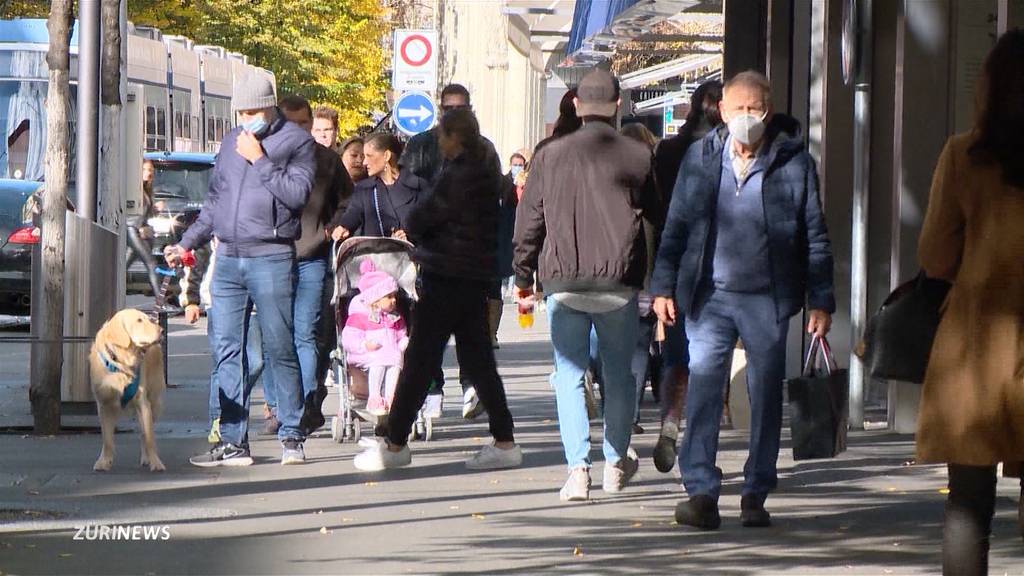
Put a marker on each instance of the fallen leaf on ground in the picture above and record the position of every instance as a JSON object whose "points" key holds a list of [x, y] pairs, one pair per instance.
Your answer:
{"points": [[495, 481], [33, 492], [577, 551], [323, 530], [370, 484], [944, 491], [453, 507], [319, 511], [347, 519], [65, 555], [478, 516], [637, 525]]}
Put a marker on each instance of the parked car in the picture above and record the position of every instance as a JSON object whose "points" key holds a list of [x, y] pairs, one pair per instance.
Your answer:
{"points": [[180, 183], [17, 237]]}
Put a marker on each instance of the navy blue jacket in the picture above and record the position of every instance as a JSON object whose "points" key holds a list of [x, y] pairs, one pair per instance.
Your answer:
{"points": [[800, 254], [255, 209], [392, 203]]}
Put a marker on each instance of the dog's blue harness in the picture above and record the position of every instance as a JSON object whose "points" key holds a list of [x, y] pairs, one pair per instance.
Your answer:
{"points": [[131, 389]]}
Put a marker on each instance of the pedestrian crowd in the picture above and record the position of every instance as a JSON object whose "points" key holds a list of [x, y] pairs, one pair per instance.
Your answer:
{"points": [[692, 247]]}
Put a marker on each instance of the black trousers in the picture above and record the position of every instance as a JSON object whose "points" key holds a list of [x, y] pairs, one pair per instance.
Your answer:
{"points": [[140, 250], [968, 521], [449, 306]]}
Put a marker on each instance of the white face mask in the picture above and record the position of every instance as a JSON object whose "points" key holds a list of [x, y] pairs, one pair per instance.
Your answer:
{"points": [[747, 129]]}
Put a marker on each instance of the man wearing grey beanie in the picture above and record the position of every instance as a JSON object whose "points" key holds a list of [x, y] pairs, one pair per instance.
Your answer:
{"points": [[259, 187]]}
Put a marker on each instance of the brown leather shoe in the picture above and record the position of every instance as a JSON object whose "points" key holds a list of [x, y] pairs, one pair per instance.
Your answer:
{"points": [[700, 512], [752, 512]]}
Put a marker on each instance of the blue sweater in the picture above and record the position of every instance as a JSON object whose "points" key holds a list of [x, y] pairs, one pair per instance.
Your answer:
{"points": [[255, 209], [740, 257], [799, 251]]}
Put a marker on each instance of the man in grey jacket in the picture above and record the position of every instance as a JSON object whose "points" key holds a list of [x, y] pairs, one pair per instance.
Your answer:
{"points": [[259, 187]]}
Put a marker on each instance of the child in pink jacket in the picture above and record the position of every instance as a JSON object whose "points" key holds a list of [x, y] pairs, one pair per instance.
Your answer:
{"points": [[375, 336]]}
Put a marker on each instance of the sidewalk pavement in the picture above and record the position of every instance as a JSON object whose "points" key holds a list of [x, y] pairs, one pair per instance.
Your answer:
{"points": [[865, 512]]}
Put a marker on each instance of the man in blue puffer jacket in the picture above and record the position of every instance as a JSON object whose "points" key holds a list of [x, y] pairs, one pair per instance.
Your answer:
{"points": [[744, 248], [258, 189]]}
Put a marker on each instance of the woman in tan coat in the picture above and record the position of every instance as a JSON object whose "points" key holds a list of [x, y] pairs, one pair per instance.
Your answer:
{"points": [[972, 407]]}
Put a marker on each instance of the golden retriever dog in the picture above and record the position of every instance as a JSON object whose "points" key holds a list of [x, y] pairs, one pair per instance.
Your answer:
{"points": [[127, 368]]}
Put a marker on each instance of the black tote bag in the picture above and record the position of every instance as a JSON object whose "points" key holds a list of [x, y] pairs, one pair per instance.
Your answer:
{"points": [[899, 337], [819, 406]]}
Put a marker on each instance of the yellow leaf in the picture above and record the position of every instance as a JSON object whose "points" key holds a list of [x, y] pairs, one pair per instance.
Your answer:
{"points": [[577, 551], [479, 516], [323, 530], [637, 525], [370, 484], [944, 491]]}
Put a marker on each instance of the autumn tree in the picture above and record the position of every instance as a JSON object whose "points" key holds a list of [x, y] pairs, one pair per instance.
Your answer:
{"points": [[327, 50], [330, 51]]}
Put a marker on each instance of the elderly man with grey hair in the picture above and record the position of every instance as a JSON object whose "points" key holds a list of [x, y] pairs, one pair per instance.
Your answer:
{"points": [[258, 189], [744, 249]]}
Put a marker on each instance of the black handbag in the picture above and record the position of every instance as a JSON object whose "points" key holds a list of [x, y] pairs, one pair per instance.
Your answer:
{"points": [[819, 406], [899, 337]]}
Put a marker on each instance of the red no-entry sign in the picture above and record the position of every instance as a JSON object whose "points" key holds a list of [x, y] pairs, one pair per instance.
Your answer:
{"points": [[414, 66], [416, 50]]}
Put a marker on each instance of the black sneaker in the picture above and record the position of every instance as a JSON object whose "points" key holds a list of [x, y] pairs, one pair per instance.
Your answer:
{"points": [[665, 454], [223, 454], [700, 512], [752, 512]]}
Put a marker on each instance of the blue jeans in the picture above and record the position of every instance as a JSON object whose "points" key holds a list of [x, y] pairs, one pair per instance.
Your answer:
{"points": [[724, 317], [238, 284], [617, 335], [309, 291], [252, 366]]}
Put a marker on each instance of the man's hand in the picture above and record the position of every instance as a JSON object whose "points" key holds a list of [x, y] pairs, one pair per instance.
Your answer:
{"points": [[340, 233], [173, 255], [249, 147], [372, 346], [400, 234], [819, 323], [191, 313], [665, 309]]}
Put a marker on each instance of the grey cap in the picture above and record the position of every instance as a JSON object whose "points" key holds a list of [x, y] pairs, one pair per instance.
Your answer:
{"points": [[253, 91]]}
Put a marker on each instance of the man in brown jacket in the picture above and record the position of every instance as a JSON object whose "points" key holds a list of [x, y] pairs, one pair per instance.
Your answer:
{"points": [[579, 225]]}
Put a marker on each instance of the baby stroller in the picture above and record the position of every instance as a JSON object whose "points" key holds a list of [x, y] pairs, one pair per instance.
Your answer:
{"points": [[388, 255]]}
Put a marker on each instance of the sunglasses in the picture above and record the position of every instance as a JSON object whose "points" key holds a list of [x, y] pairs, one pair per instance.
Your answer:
{"points": [[449, 108]]}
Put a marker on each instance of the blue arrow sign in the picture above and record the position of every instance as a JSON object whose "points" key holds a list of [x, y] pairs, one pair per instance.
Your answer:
{"points": [[414, 113]]}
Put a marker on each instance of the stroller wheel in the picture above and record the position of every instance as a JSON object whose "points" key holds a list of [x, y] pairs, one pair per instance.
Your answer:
{"points": [[337, 431], [357, 431], [428, 429]]}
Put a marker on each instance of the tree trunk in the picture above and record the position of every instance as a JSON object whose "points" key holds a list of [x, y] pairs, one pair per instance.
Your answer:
{"points": [[48, 355], [110, 211]]}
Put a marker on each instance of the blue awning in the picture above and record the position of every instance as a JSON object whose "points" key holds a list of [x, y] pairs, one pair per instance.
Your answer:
{"points": [[591, 17]]}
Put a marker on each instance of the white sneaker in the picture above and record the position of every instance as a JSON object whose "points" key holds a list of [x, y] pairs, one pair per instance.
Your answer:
{"points": [[577, 487], [378, 457], [434, 405], [617, 475], [471, 406], [492, 458]]}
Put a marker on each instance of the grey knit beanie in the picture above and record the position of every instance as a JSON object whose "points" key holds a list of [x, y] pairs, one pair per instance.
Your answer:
{"points": [[252, 92]]}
